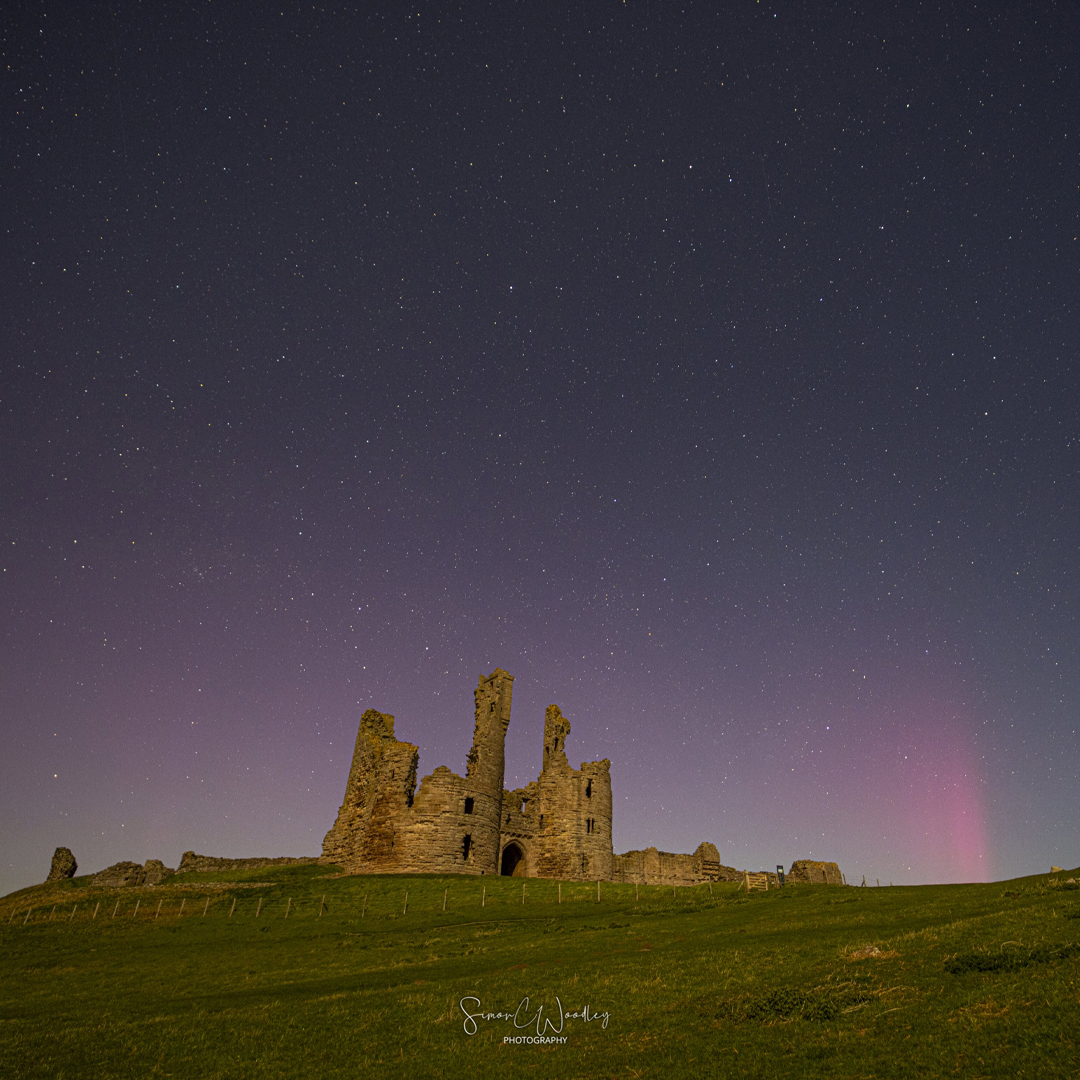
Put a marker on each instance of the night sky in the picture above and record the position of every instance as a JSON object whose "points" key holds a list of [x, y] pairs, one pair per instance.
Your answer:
{"points": [[711, 372]]}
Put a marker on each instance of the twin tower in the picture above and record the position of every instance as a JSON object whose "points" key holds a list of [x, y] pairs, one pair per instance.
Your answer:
{"points": [[559, 826]]}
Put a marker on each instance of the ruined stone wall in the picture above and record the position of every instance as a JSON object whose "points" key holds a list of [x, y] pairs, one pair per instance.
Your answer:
{"points": [[433, 833], [653, 867], [189, 862], [63, 865], [453, 824], [450, 824], [809, 872], [380, 787], [521, 828], [561, 821], [124, 874], [559, 826]]}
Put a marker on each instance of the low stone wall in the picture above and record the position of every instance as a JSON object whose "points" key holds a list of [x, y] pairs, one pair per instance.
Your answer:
{"points": [[190, 862], [653, 867]]}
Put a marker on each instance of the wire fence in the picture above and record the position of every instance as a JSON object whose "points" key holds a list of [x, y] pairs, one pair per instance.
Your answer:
{"points": [[382, 901]]}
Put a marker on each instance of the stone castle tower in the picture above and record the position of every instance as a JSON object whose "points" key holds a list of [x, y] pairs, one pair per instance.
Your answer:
{"points": [[559, 826], [450, 825], [485, 768]]}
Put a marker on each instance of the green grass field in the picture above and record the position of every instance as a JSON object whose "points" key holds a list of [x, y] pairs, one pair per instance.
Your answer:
{"points": [[965, 980]]}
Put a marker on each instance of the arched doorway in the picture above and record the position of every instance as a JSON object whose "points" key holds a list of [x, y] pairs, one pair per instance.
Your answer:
{"points": [[513, 861]]}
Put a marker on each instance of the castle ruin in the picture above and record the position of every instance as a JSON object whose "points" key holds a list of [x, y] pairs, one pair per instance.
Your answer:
{"points": [[559, 826]]}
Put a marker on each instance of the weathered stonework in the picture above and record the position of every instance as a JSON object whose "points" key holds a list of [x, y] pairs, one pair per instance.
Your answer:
{"points": [[189, 862], [155, 872], [650, 867], [450, 825], [63, 865], [559, 826], [124, 874], [120, 875], [809, 872]]}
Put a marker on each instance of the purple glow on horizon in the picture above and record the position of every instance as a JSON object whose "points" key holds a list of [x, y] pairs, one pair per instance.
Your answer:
{"points": [[927, 797], [767, 468]]}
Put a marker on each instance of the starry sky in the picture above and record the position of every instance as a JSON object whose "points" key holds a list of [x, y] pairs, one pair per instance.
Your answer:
{"points": [[708, 367]]}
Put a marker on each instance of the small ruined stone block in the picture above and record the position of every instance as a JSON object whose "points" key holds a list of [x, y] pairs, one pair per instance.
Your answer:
{"points": [[63, 865]]}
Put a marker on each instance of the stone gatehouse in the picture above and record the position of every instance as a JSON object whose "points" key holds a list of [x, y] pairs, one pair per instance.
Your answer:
{"points": [[559, 826]]}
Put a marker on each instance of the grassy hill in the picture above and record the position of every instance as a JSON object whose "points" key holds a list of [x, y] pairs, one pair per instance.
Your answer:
{"points": [[257, 977]]}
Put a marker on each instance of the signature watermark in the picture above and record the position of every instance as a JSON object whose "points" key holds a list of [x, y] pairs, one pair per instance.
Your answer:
{"points": [[549, 1027]]}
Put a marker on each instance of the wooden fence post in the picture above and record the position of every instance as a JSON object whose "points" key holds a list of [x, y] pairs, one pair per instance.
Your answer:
{"points": [[364, 908], [28, 910], [182, 903], [205, 906], [598, 890], [560, 892], [96, 906], [444, 892], [115, 909], [72, 915], [288, 907], [405, 909], [259, 908], [233, 908], [483, 897], [137, 903], [53, 912], [523, 894], [635, 891], [159, 903], [322, 904]]}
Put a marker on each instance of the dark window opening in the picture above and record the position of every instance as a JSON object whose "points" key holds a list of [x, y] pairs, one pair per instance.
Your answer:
{"points": [[584, 863], [492, 709], [466, 844], [590, 824], [541, 821], [588, 790], [468, 805]]}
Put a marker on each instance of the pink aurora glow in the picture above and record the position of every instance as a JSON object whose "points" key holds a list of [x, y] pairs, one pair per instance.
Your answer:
{"points": [[934, 800]]}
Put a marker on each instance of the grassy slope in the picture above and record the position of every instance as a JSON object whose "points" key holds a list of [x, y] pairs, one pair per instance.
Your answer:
{"points": [[696, 986]]}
